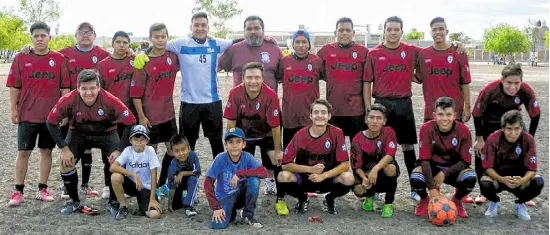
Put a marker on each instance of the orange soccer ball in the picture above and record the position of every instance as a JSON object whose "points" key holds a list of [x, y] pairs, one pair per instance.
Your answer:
{"points": [[442, 211]]}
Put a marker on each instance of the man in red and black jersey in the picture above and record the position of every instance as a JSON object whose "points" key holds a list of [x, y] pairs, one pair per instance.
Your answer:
{"points": [[373, 161], [254, 107], [343, 63], [115, 72], [317, 160], [36, 81], [93, 115], [496, 98], [300, 72], [510, 163], [152, 92], [445, 157]]}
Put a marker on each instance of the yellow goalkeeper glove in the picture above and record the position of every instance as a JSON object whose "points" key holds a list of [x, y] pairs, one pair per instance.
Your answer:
{"points": [[140, 60]]}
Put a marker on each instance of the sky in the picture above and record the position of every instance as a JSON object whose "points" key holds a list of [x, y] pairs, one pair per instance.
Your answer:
{"points": [[468, 16]]}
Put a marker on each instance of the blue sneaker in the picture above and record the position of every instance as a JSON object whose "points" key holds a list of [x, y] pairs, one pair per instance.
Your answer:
{"points": [[521, 211], [415, 196], [158, 194], [70, 207], [165, 190], [492, 210], [113, 208]]}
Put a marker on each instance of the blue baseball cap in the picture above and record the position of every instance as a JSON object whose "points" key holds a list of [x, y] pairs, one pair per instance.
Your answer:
{"points": [[234, 132]]}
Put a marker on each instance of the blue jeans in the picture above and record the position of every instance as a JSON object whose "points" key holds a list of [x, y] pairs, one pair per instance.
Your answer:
{"points": [[244, 198]]}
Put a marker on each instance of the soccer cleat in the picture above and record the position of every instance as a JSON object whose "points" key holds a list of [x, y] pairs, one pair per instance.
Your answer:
{"points": [[88, 210], [44, 195], [122, 213], [460, 210], [387, 211], [65, 193], [88, 191], [16, 198], [421, 207], [521, 212], [329, 207], [270, 188], [281, 208], [113, 207], [466, 199], [415, 196], [251, 222], [480, 199], [530, 203], [368, 204], [301, 207], [492, 210], [190, 212], [106, 193], [70, 207]]}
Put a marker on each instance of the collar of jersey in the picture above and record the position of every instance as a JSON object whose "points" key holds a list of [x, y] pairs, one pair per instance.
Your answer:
{"points": [[199, 41], [346, 46], [299, 58]]}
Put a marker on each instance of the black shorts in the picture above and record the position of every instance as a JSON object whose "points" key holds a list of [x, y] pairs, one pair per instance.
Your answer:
{"points": [[350, 125], [451, 179], [27, 133], [400, 117], [359, 180], [306, 185], [266, 145], [288, 134], [142, 196], [209, 116], [162, 132], [79, 142]]}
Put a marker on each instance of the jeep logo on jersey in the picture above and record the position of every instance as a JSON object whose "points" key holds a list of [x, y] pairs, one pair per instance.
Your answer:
{"points": [[403, 54], [306, 79], [348, 67], [397, 67], [100, 112], [139, 164], [533, 159], [327, 144], [164, 74], [265, 57], [168, 60], [443, 71], [94, 59], [132, 63], [309, 67], [454, 141], [51, 63], [258, 106], [516, 100], [518, 150], [354, 55], [450, 59], [379, 144], [121, 77], [41, 75]]}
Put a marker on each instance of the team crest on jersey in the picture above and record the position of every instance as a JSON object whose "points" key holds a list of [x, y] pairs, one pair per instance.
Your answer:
{"points": [[533, 159], [516, 100], [518, 150], [132, 63], [535, 104], [379, 144], [471, 151], [327, 144], [228, 104], [392, 145], [258, 106], [275, 113], [94, 59], [286, 151], [309, 67], [51, 63], [454, 141], [125, 113], [168, 60], [265, 57], [354, 55], [482, 157], [403, 54], [132, 83], [450, 59], [100, 112]]}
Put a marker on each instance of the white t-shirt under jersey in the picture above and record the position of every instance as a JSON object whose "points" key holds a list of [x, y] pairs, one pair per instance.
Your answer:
{"points": [[140, 163]]}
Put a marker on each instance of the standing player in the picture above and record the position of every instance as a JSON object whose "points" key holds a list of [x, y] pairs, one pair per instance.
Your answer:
{"points": [[510, 163], [502, 95], [445, 157], [254, 107], [115, 72], [373, 157], [36, 81], [317, 160], [301, 72], [93, 118], [343, 62], [256, 47]]}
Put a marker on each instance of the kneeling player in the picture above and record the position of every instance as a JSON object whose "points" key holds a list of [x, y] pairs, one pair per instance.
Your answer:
{"points": [[445, 157], [510, 164], [137, 177], [237, 176], [183, 175], [372, 154], [317, 160]]}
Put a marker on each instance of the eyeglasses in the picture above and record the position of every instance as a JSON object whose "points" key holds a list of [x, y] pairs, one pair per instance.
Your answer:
{"points": [[86, 33]]}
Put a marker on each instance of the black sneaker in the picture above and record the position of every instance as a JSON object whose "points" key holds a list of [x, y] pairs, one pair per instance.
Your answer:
{"points": [[251, 222], [122, 213], [113, 208], [301, 206], [190, 212], [329, 207]]}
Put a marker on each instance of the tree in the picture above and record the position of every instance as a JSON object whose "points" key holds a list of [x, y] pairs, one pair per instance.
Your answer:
{"points": [[13, 34], [219, 12], [460, 37], [134, 45], [106, 44], [39, 10], [546, 39], [413, 35], [61, 41], [505, 40]]}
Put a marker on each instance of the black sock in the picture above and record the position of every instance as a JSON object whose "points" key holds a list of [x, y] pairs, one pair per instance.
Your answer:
{"points": [[216, 145], [70, 179], [20, 187], [86, 168], [280, 190], [410, 159], [294, 190], [106, 169], [338, 190], [42, 186], [166, 160], [391, 187]]}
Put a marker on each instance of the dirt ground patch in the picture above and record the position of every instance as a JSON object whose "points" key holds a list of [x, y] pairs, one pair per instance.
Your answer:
{"points": [[44, 218]]}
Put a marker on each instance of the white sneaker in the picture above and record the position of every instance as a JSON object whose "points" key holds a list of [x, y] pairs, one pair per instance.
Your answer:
{"points": [[190, 212], [415, 196], [64, 193], [492, 210], [270, 188], [521, 211], [106, 193]]}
